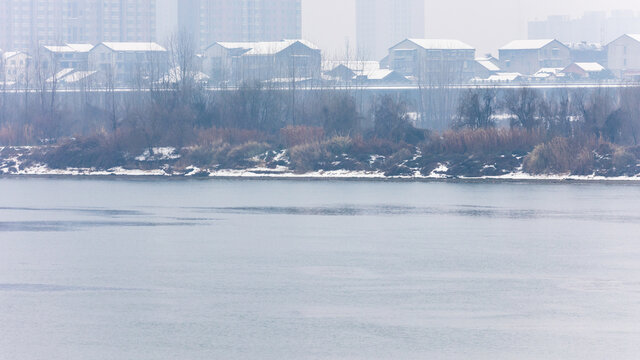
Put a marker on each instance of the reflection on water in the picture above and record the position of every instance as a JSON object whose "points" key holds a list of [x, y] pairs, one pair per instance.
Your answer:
{"points": [[385, 210], [44, 226], [55, 288]]}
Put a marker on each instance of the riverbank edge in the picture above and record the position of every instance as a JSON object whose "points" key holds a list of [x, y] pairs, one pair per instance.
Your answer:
{"points": [[322, 176]]}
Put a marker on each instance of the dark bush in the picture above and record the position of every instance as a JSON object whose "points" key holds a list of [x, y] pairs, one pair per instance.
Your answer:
{"points": [[96, 151]]}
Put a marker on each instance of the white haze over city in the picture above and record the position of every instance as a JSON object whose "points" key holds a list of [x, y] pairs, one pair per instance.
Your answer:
{"points": [[486, 25]]}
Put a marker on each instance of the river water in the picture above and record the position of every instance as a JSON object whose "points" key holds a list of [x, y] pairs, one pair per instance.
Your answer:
{"points": [[149, 269]]}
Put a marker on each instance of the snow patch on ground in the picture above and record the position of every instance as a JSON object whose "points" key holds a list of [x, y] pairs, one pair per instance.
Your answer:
{"points": [[159, 154], [439, 172]]}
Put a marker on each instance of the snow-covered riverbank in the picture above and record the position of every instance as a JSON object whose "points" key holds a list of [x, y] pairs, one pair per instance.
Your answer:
{"points": [[21, 162]]}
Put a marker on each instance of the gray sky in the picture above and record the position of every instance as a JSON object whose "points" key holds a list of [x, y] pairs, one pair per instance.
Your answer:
{"points": [[486, 24]]}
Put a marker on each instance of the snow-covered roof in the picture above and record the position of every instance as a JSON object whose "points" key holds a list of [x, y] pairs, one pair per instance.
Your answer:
{"points": [[134, 46], [488, 64], [635, 37], [174, 75], [379, 74], [60, 74], [353, 65], [69, 48], [552, 71], [265, 47], [81, 47], [9, 54], [70, 76], [441, 44], [77, 76], [504, 77], [590, 66], [527, 44]]}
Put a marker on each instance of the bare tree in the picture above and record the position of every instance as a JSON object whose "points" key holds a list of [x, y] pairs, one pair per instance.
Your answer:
{"points": [[524, 104], [476, 109]]}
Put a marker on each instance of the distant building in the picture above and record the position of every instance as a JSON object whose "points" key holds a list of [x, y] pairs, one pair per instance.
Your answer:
{"points": [[126, 62], [588, 52], [362, 72], [347, 70], [624, 56], [239, 62], [548, 75], [593, 27], [433, 60], [382, 23], [592, 71], [26, 25], [485, 67], [500, 78], [209, 21], [16, 66], [74, 56], [71, 77], [529, 56]]}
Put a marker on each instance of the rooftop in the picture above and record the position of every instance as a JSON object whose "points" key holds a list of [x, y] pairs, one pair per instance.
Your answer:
{"points": [[134, 46], [353, 65], [265, 47], [635, 37], [590, 66], [488, 64], [527, 44], [9, 54], [70, 48], [441, 44]]}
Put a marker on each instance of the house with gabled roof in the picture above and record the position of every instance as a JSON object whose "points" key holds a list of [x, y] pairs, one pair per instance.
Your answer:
{"points": [[529, 56], [361, 72], [73, 56], [587, 70], [433, 60], [127, 62], [15, 66], [239, 62], [485, 67], [623, 56]]}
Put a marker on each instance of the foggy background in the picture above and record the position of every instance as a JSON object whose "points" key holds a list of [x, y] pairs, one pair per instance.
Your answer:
{"points": [[486, 25]]}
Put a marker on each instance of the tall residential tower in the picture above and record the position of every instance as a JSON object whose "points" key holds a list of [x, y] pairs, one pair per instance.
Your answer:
{"points": [[209, 21], [380, 24], [26, 24]]}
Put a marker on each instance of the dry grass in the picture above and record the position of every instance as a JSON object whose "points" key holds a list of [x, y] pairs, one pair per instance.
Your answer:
{"points": [[483, 141], [299, 135]]}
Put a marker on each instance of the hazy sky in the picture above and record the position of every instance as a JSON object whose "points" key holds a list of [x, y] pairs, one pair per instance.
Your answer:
{"points": [[486, 24]]}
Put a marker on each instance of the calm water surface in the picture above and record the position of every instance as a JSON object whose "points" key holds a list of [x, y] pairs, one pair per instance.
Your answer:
{"points": [[137, 269]]}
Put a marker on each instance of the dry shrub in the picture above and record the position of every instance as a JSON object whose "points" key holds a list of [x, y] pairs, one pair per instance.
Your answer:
{"points": [[222, 154], [298, 135], [554, 157], [17, 135], [241, 153], [483, 141], [96, 151], [362, 148], [580, 156], [339, 145], [204, 155], [623, 159], [308, 157], [212, 136]]}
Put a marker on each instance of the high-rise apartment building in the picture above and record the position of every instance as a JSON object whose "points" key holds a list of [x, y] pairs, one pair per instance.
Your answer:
{"points": [[592, 27], [209, 21], [380, 24], [25, 24]]}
